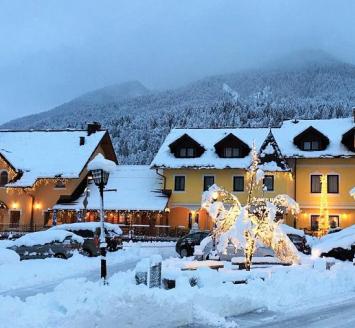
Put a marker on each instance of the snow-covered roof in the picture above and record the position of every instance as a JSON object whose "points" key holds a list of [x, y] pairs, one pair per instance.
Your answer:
{"points": [[332, 128], [207, 138], [47, 154], [137, 188]]}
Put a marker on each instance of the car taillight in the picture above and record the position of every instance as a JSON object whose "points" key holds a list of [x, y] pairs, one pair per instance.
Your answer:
{"points": [[96, 241]]}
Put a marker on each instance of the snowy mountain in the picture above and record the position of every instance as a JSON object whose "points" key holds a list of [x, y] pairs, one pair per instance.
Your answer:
{"points": [[312, 85]]}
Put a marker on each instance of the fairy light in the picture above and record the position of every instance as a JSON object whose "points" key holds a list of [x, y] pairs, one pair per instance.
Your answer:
{"points": [[324, 211]]}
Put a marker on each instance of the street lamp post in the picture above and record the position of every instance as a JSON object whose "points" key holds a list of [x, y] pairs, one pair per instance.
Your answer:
{"points": [[100, 169]]}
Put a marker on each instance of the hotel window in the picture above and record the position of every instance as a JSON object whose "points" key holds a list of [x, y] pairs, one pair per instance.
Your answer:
{"points": [[15, 218], [269, 182], [208, 181], [238, 183], [315, 184], [314, 222], [187, 152], [231, 152], [179, 183], [333, 184], [311, 145], [4, 178], [333, 221]]}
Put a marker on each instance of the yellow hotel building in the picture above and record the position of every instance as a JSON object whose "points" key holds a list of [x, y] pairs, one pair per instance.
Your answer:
{"points": [[298, 159]]}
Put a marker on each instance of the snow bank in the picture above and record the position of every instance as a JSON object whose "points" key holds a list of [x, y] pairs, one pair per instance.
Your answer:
{"points": [[285, 228], [344, 239], [130, 305], [39, 272], [45, 237], [8, 256], [92, 226]]}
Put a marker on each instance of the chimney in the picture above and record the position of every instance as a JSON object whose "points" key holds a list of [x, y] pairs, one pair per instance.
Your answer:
{"points": [[93, 127], [82, 141]]}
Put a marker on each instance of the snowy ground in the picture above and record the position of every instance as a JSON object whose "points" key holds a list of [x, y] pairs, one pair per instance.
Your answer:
{"points": [[296, 296]]}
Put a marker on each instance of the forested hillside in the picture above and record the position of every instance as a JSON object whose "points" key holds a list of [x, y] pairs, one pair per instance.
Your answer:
{"points": [[139, 119]]}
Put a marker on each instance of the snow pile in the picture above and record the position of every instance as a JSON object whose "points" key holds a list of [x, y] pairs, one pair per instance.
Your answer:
{"points": [[343, 239], [101, 163], [46, 237], [36, 273], [92, 226], [8, 256], [209, 303], [288, 230]]}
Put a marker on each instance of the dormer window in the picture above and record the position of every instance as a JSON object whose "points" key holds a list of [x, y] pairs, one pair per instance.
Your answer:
{"points": [[186, 147], [348, 140], [231, 147], [4, 178], [311, 140], [186, 152], [311, 145], [231, 152]]}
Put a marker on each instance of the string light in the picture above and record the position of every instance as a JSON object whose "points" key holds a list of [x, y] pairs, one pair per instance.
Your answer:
{"points": [[323, 224]]}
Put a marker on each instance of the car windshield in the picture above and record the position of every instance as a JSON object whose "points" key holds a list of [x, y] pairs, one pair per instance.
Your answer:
{"points": [[84, 233]]}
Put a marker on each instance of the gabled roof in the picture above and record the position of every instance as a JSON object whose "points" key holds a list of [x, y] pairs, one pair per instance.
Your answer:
{"points": [[333, 129], [48, 153], [137, 187], [231, 140], [186, 141], [348, 139], [271, 158], [207, 138], [311, 134]]}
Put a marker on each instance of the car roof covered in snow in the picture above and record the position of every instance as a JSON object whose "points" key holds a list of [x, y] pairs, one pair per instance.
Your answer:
{"points": [[343, 239], [47, 153], [207, 138], [46, 237], [132, 187], [92, 226]]}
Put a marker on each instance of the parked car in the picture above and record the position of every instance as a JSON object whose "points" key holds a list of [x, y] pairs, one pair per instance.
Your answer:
{"points": [[185, 245], [297, 237], [90, 231], [339, 245], [43, 244]]}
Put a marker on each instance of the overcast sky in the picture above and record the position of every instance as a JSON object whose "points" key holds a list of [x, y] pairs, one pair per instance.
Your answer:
{"points": [[52, 51]]}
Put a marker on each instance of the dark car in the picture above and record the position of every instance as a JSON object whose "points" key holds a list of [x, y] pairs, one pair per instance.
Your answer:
{"points": [[185, 245], [300, 243], [339, 245], [44, 244], [90, 231]]}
